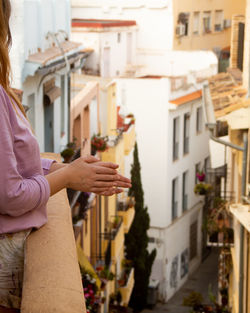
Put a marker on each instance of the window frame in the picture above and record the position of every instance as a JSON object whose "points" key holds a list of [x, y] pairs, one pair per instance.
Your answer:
{"points": [[174, 199], [184, 191], [176, 138], [186, 133], [199, 120]]}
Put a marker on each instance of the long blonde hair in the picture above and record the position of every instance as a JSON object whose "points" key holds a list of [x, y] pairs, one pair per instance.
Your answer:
{"points": [[5, 43]]}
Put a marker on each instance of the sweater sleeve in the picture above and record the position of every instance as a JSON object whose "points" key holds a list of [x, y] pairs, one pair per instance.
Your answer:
{"points": [[46, 164], [18, 195]]}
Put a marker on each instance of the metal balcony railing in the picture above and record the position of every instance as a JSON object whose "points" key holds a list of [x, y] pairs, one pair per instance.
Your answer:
{"points": [[112, 229]]}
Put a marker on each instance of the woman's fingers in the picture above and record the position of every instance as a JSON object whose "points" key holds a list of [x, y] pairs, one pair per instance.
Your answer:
{"points": [[107, 177], [111, 192], [103, 184], [119, 183], [123, 178], [105, 170], [108, 165]]}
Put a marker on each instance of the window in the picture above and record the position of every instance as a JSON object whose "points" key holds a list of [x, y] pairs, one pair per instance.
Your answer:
{"points": [[175, 138], [199, 120], [196, 23], [183, 24], [119, 37], [186, 133], [186, 25], [193, 240], [197, 169], [184, 191], [218, 26], [174, 198], [207, 22]]}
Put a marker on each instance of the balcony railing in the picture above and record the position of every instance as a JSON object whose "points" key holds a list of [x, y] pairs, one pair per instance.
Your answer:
{"points": [[127, 212], [127, 289], [103, 259]]}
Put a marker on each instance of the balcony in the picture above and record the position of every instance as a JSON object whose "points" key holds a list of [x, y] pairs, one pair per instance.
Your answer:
{"points": [[129, 139], [115, 233], [51, 263], [127, 212], [127, 289]]}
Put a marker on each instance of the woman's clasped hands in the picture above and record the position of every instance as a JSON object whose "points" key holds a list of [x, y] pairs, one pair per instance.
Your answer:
{"points": [[92, 175]]}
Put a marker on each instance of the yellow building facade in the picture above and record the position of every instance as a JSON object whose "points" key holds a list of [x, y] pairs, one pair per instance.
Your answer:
{"points": [[100, 235], [202, 24]]}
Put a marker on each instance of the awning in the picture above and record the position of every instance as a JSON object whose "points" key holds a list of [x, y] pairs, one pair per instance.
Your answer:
{"points": [[51, 95], [84, 263], [52, 59]]}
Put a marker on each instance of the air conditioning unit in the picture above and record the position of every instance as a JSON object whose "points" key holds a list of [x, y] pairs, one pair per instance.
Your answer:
{"points": [[180, 30], [218, 27], [227, 23]]}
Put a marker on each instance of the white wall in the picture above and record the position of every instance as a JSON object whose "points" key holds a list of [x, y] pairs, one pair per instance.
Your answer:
{"points": [[146, 99], [30, 87], [174, 63], [31, 20], [98, 41], [154, 18]]}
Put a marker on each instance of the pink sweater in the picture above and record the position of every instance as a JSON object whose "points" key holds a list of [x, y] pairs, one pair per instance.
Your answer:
{"points": [[24, 191]]}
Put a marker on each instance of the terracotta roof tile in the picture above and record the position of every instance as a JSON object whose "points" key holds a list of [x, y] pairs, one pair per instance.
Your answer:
{"points": [[92, 23], [190, 97], [227, 93], [52, 53]]}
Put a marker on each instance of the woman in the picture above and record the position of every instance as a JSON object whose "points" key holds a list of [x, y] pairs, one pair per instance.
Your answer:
{"points": [[27, 182]]}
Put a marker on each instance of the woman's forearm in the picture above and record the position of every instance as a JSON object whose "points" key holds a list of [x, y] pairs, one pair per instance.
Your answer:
{"points": [[57, 178]]}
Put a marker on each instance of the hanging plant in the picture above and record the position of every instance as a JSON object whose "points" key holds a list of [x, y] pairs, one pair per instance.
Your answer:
{"points": [[201, 176], [98, 143], [202, 188]]}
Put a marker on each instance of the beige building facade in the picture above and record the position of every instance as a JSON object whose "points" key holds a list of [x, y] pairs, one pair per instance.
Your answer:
{"points": [[204, 24]]}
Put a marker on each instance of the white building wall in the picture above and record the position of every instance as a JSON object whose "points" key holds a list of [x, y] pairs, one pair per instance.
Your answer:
{"points": [[148, 100], [154, 18], [101, 40], [89, 39], [30, 23]]}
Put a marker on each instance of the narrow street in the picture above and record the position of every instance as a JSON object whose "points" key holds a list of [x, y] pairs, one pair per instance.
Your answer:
{"points": [[205, 276]]}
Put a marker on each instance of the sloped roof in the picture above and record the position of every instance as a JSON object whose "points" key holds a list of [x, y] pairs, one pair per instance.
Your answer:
{"points": [[187, 98], [227, 93], [102, 23], [52, 53]]}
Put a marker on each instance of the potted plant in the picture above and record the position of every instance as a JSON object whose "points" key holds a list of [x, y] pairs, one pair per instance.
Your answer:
{"points": [[107, 274], [67, 154], [202, 188], [116, 222], [131, 202], [69, 151], [91, 292], [201, 175], [194, 300], [98, 143]]}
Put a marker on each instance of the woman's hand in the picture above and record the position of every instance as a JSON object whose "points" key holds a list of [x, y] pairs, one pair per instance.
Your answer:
{"points": [[90, 174]]}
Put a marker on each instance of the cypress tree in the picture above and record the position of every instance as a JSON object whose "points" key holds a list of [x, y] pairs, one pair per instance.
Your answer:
{"points": [[136, 241]]}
